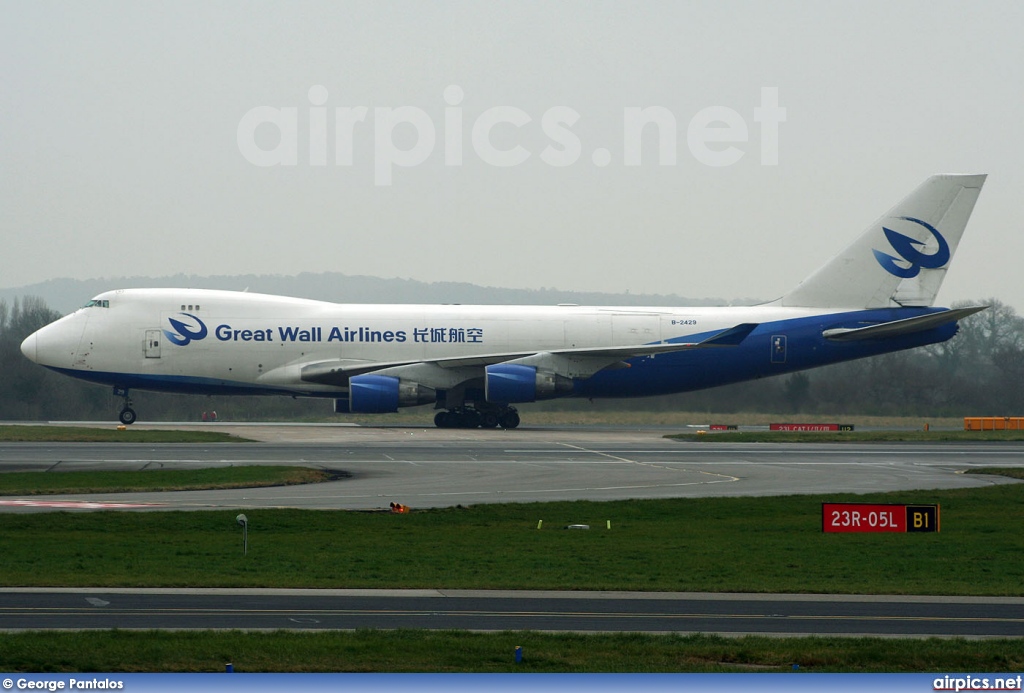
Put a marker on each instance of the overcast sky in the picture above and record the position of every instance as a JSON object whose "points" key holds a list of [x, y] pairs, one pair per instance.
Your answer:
{"points": [[139, 139]]}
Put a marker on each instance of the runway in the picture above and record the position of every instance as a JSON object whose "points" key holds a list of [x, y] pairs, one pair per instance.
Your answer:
{"points": [[313, 610], [428, 467]]}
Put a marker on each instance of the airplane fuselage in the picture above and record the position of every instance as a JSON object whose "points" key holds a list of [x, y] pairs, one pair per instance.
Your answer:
{"points": [[210, 342]]}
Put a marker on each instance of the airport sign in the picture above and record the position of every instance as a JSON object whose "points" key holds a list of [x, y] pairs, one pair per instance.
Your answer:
{"points": [[867, 517]]}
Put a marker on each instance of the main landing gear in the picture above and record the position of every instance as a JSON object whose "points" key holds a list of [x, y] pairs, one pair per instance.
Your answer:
{"points": [[466, 417], [127, 414]]}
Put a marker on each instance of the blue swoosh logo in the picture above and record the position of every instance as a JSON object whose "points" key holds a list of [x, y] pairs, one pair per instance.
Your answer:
{"points": [[905, 247], [185, 334]]}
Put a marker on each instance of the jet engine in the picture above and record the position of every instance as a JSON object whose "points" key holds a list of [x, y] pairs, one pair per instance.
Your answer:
{"points": [[506, 383], [382, 394]]}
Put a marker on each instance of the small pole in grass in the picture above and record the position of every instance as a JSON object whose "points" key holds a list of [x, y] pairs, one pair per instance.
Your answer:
{"points": [[539, 523], [519, 654], [244, 521], [229, 668]]}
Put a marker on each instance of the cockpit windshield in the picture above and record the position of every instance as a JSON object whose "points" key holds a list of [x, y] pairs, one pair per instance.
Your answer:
{"points": [[97, 303]]}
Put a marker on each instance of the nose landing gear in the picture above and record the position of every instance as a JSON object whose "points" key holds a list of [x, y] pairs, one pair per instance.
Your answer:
{"points": [[127, 415]]}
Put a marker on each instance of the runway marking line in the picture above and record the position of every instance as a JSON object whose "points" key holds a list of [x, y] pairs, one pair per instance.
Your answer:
{"points": [[79, 505], [723, 478]]}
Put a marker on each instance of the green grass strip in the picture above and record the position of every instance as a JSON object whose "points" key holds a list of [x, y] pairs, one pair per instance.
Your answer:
{"points": [[38, 483], [1012, 472], [847, 436], [75, 434], [447, 651], [772, 544]]}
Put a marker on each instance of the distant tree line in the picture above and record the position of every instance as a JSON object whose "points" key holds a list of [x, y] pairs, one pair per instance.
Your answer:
{"points": [[978, 372], [26, 390]]}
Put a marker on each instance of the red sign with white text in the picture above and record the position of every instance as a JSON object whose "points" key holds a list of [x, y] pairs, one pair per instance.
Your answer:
{"points": [[848, 517], [863, 517]]}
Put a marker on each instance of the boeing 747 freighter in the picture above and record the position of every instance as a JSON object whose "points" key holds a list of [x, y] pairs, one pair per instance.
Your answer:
{"points": [[473, 363]]}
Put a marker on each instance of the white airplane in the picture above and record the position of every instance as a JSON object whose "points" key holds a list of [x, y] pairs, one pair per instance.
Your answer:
{"points": [[474, 362]]}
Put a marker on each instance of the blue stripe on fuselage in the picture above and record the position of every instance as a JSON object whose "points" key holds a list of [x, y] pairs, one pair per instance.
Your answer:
{"points": [[699, 369]]}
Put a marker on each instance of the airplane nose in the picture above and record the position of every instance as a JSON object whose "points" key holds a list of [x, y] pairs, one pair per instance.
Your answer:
{"points": [[56, 344], [28, 347]]}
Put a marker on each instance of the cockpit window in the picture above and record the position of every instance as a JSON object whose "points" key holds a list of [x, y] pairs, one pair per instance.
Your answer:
{"points": [[97, 303]]}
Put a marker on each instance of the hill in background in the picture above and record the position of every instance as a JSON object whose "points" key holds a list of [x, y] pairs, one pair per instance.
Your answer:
{"points": [[65, 295]]}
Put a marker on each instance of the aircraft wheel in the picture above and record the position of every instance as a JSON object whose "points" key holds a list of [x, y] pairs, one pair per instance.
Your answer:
{"points": [[470, 419], [441, 419], [488, 419], [127, 416], [509, 419]]}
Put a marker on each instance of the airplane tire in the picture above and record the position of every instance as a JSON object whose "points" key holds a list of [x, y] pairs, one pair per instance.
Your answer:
{"points": [[127, 416], [509, 419], [469, 418]]}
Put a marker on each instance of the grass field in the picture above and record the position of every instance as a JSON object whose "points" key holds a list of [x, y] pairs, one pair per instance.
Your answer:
{"points": [[1013, 473], [40, 483], [78, 434], [712, 544], [447, 651]]}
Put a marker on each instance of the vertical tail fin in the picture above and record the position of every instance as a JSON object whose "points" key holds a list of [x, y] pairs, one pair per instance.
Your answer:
{"points": [[902, 258]]}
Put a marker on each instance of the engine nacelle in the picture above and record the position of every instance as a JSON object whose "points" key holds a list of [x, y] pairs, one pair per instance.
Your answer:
{"points": [[506, 383], [383, 394]]}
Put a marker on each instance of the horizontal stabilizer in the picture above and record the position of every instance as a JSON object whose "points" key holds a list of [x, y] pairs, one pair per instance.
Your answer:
{"points": [[901, 327]]}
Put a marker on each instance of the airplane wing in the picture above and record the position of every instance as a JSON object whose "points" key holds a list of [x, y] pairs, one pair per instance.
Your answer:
{"points": [[337, 372]]}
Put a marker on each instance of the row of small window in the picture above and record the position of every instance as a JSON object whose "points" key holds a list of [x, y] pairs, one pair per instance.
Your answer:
{"points": [[189, 306]]}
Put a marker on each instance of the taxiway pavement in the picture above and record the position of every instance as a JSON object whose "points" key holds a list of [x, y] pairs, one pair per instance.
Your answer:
{"points": [[428, 467]]}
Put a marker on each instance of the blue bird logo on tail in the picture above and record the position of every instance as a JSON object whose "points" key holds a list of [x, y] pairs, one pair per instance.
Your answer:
{"points": [[904, 245]]}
